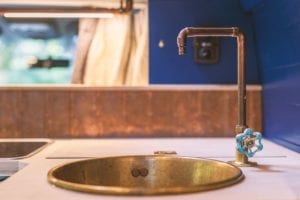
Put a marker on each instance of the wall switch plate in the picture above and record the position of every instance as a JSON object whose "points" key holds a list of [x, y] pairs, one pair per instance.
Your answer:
{"points": [[206, 50]]}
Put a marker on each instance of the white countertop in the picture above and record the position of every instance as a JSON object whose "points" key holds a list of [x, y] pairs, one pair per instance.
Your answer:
{"points": [[277, 177]]}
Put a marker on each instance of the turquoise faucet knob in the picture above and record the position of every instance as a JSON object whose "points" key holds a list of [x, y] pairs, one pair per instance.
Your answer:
{"points": [[249, 142]]}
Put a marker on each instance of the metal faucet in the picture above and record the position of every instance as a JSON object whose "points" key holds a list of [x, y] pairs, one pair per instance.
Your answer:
{"points": [[249, 137]]}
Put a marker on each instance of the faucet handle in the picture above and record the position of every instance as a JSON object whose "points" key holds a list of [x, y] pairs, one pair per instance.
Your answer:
{"points": [[249, 142]]}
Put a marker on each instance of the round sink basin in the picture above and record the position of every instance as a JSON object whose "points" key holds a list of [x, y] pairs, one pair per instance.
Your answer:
{"points": [[144, 175]]}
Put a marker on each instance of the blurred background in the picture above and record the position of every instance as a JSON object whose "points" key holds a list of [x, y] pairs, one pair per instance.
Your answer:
{"points": [[37, 50]]}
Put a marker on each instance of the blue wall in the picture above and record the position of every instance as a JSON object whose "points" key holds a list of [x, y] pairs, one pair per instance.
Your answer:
{"points": [[272, 28], [250, 4], [168, 17], [277, 30]]}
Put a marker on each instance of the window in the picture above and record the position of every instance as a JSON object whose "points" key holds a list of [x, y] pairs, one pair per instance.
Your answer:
{"points": [[37, 50]]}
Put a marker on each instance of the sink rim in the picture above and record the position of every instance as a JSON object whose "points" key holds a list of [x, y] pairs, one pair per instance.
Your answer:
{"points": [[121, 190]]}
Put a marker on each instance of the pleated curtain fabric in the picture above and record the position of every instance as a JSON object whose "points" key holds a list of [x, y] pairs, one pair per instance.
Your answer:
{"points": [[113, 52]]}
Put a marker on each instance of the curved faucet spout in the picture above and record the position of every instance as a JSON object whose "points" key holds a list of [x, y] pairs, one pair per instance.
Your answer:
{"points": [[201, 32], [223, 32], [181, 40]]}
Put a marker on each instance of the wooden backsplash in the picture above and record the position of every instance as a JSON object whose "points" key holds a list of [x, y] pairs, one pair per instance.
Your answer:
{"points": [[157, 111]]}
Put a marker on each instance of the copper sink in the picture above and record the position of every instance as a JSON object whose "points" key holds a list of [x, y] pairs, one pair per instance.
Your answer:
{"points": [[144, 175]]}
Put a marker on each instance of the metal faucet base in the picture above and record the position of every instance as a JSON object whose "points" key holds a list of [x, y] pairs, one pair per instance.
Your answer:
{"points": [[241, 160], [243, 164]]}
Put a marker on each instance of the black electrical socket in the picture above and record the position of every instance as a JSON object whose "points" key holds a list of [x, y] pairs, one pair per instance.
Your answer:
{"points": [[206, 50]]}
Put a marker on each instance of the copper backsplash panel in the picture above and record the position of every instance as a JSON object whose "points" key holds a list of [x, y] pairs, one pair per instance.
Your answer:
{"points": [[125, 112]]}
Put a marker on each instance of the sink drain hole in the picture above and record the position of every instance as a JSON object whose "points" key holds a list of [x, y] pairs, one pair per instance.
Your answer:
{"points": [[135, 172], [144, 172]]}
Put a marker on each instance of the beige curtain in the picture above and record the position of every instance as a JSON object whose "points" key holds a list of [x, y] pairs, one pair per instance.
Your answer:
{"points": [[113, 52]]}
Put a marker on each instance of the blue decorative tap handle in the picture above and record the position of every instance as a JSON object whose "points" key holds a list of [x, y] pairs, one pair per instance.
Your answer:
{"points": [[249, 142]]}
